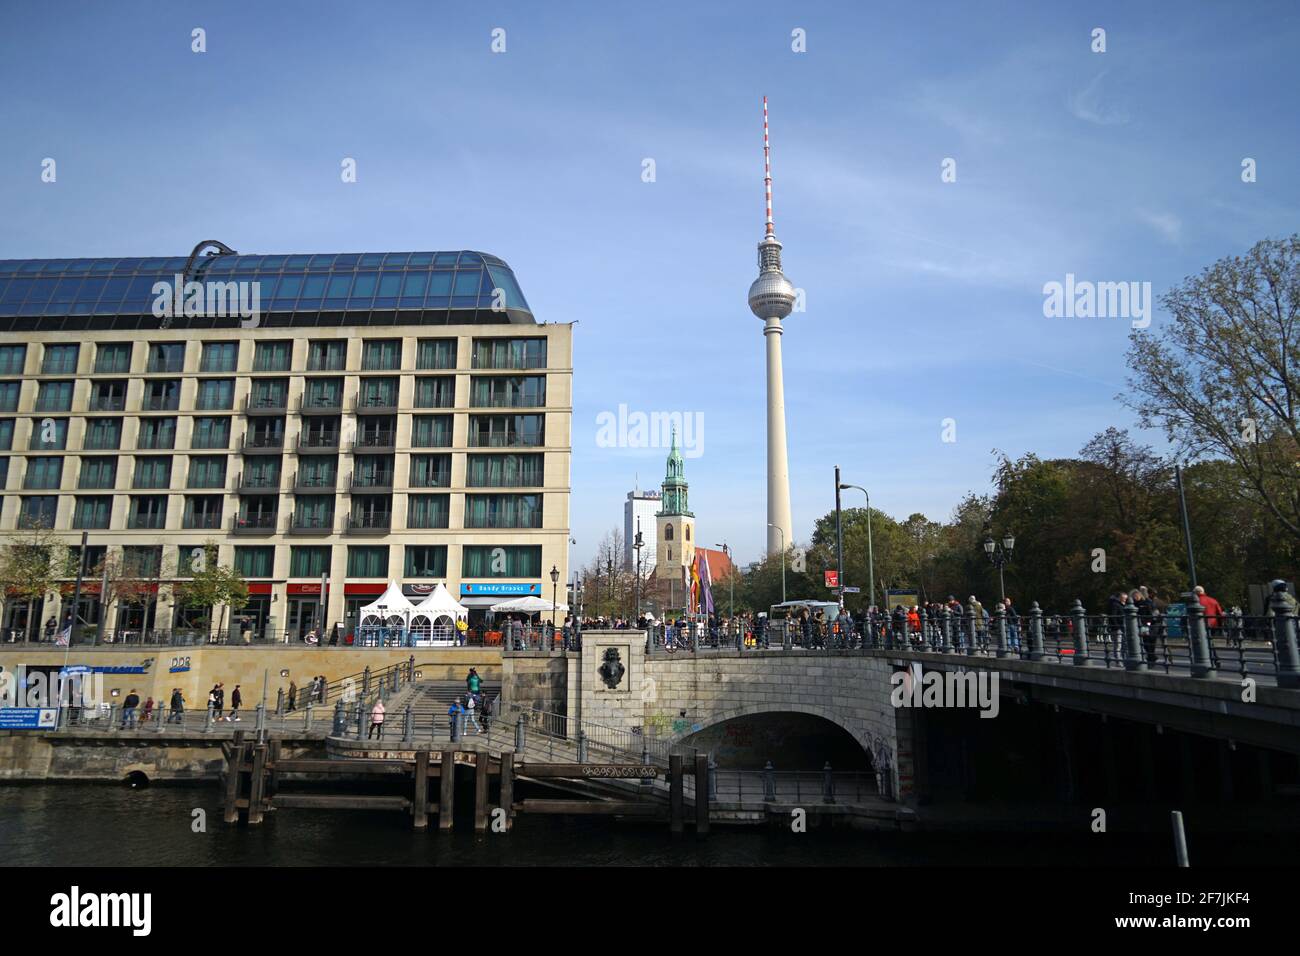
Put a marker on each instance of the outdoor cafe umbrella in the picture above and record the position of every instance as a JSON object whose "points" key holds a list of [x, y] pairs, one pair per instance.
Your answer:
{"points": [[526, 605]]}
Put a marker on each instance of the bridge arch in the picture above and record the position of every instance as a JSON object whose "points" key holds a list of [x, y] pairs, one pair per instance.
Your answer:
{"points": [[876, 752]]}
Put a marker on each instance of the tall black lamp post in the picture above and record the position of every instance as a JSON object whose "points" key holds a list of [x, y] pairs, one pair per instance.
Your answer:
{"points": [[555, 586], [1000, 554], [637, 544]]}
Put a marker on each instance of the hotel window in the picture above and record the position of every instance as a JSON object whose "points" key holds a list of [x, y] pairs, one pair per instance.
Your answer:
{"points": [[426, 561], [503, 511], [142, 561], [372, 511], [113, 358], [9, 396], [108, 396], [207, 471], [215, 393], [430, 471], [152, 473], [186, 555], [50, 434], [156, 434], [54, 397], [367, 561], [427, 511], [509, 353], [309, 562], [323, 393], [508, 391], [319, 432], [255, 562], [98, 473], [317, 471], [4, 473], [147, 511], [377, 431], [507, 431], [211, 433], [372, 471], [504, 471], [327, 356], [435, 392], [95, 555], [167, 357], [38, 511], [381, 355], [436, 354], [60, 360], [265, 433], [202, 511], [431, 431], [162, 396], [13, 359], [103, 435], [43, 474], [219, 357], [521, 561], [6, 434], [92, 513], [261, 472], [269, 393], [272, 356], [314, 511], [377, 393]]}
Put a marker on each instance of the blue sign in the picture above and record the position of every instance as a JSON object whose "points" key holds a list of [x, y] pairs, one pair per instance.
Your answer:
{"points": [[28, 718], [73, 670], [499, 588]]}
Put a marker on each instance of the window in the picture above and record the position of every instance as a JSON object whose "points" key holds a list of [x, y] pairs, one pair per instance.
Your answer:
{"points": [[327, 356], [507, 431], [314, 511], [215, 393], [309, 562], [426, 561], [376, 431], [431, 431], [258, 512], [211, 433], [152, 473], [95, 555], [430, 471], [505, 471], [381, 355], [9, 396], [108, 396], [509, 353], [668, 532], [269, 393], [317, 471], [13, 359], [503, 511], [427, 511], [156, 433], [60, 360], [436, 353], [377, 393], [323, 393], [4, 473], [435, 392], [265, 433], [207, 471], [98, 473], [202, 511], [261, 472], [54, 397], [43, 474], [142, 561], [162, 396], [508, 391], [688, 532], [319, 432], [272, 356], [255, 562], [49, 434], [520, 561], [38, 511], [189, 555], [219, 357], [372, 511], [92, 513], [368, 561], [6, 433], [167, 357], [113, 358], [147, 511]]}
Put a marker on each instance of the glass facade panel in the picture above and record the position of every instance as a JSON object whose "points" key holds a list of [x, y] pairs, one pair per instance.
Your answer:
{"points": [[435, 391], [255, 562], [49, 434], [436, 354], [92, 513], [508, 391], [215, 393], [507, 431], [98, 473], [521, 561], [426, 561], [431, 431], [504, 471], [366, 561], [220, 357], [427, 511], [503, 511], [309, 562], [211, 433]]}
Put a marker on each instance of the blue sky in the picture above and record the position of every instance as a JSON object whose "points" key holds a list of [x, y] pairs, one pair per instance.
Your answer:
{"points": [[924, 298]]}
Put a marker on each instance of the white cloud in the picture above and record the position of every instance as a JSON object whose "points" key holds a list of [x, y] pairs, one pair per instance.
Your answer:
{"points": [[1087, 104]]}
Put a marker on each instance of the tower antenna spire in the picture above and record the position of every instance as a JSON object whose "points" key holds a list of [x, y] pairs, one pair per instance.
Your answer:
{"points": [[767, 170]]}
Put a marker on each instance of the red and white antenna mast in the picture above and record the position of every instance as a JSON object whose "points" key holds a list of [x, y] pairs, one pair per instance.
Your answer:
{"points": [[767, 170]]}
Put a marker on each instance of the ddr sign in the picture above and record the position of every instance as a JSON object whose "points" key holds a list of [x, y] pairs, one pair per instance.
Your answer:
{"points": [[28, 718], [832, 579]]}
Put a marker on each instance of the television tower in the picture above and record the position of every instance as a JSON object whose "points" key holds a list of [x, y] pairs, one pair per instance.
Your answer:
{"points": [[771, 298]]}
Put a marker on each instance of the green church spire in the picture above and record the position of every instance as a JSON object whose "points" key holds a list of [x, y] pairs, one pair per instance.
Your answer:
{"points": [[674, 486]]}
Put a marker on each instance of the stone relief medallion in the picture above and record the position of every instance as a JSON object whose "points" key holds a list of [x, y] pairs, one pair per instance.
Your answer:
{"points": [[611, 670]]}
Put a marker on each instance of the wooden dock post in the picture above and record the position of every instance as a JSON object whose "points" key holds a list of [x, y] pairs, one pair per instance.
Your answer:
{"points": [[701, 794], [676, 794], [508, 786], [420, 801], [273, 772], [256, 790], [482, 764], [234, 774], [446, 789]]}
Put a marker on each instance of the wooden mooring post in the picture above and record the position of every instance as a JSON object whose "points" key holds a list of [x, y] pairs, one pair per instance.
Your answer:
{"points": [[508, 787], [257, 788], [676, 794], [446, 789], [482, 767], [701, 794], [420, 799]]}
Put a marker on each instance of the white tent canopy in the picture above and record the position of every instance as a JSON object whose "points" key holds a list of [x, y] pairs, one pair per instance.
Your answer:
{"points": [[391, 608], [438, 608], [526, 605]]}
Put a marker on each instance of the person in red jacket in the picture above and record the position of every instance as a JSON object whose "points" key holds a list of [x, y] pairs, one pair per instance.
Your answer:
{"points": [[1213, 609]]}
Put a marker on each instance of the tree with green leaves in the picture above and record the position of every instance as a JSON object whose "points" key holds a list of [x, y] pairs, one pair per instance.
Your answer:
{"points": [[212, 584], [33, 563]]}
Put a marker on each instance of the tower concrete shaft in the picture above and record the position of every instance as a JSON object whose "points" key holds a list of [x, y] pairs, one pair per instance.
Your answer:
{"points": [[780, 526]]}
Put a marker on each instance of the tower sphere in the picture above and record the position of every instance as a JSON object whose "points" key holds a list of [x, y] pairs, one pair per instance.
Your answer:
{"points": [[771, 296]]}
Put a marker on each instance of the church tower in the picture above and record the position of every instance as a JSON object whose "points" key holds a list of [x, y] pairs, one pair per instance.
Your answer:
{"points": [[675, 531]]}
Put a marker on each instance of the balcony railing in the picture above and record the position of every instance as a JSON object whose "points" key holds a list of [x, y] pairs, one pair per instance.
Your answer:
{"points": [[308, 404], [95, 442], [325, 442], [59, 367], [311, 524], [108, 403], [262, 444], [314, 484], [369, 523], [160, 442], [112, 366], [161, 403], [202, 521], [326, 363], [374, 404], [260, 523], [258, 482], [379, 481], [375, 441], [265, 404], [433, 479], [12, 366], [166, 366]]}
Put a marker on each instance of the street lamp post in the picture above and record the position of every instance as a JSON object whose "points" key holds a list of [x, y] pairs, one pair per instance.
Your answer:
{"points": [[871, 558], [1000, 555], [781, 531], [731, 610], [637, 544], [555, 585]]}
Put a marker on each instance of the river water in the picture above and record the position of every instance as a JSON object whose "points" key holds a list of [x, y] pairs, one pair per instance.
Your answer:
{"points": [[113, 825]]}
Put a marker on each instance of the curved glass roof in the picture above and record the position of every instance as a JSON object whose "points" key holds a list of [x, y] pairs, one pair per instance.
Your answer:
{"points": [[334, 282]]}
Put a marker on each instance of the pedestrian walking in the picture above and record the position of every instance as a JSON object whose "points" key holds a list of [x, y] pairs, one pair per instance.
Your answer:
{"points": [[236, 698], [129, 706], [486, 710], [293, 695], [470, 716], [376, 720], [148, 710], [176, 706], [453, 716]]}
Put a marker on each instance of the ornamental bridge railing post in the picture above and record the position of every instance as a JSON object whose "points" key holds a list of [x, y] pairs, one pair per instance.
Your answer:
{"points": [[1036, 633], [1080, 616], [1134, 658], [1000, 629], [1284, 638], [946, 620], [970, 628], [1198, 641]]}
